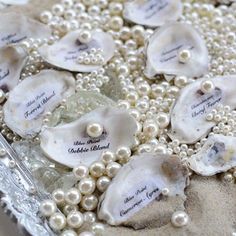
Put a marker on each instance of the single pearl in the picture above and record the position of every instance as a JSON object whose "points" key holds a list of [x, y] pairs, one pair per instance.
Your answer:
{"points": [[150, 129], [180, 219], [2, 152], [98, 229], [123, 154], [108, 157], [180, 81], [112, 169], [102, 183], [45, 16], [73, 196], [47, 208], [69, 232], [87, 233], [228, 177], [2, 96], [84, 36], [57, 221], [89, 217], [207, 86], [89, 202], [58, 196], [163, 120], [69, 208], [94, 130], [165, 191], [75, 219], [184, 56], [87, 186], [97, 169], [81, 172]]}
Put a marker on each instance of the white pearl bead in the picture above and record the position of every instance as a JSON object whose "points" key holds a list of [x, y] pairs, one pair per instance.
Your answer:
{"points": [[108, 157], [207, 86], [89, 217], [73, 196], [102, 183], [87, 186], [184, 56], [48, 207], [75, 219], [180, 219], [150, 128], [81, 172], [57, 221], [58, 196], [98, 229], [163, 120], [165, 191], [97, 169], [69, 208], [94, 130], [2, 96], [86, 233], [2, 152], [112, 169], [89, 202], [69, 232], [85, 36], [123, 154]]}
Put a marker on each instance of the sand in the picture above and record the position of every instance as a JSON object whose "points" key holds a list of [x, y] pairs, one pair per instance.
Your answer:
{"points": [[210, 203]]}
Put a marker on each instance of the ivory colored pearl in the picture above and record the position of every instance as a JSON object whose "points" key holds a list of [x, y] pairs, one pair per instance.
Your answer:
{"points": [[150, 129], [89, 202], [85, 36], [89, 217], [94, 130], [47, 208], [165, 191], [163, 120], [102, 183], [112, 169], [75, 219], [2, 96], [97, 169], [2, 152], [123, 153], [58, 196], [207, 86], [108, 157], [69, 232], [184, 56], [57, 221], [87, 186], [81, 172], [180, 219], [86, 233], [73, 196], [98, 229], [69, 208]]}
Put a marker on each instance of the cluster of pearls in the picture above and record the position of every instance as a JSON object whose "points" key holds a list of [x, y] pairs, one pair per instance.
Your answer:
{"points": [[92, 57]]}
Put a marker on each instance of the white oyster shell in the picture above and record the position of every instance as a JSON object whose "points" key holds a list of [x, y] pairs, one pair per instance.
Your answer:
{"points": [[65, 52], [70, 145], [15, 28], [217, 155], [152, 13], [188, 116], [140, 182], [29, 101], [167, 42], [12, 61]]}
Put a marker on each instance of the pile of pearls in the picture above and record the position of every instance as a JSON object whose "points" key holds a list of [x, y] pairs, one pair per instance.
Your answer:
{"points": [[93, 57]]}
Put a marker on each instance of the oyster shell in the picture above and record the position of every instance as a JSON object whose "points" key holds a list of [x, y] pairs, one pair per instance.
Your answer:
{"points": [[12, 61], [33, 98], [140, 182], [70, 145], [15, 28], [188, 116], [217, 155], [152, 13], [165, 45], [65, 52]]}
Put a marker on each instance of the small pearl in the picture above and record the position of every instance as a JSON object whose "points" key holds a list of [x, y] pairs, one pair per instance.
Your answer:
{"points": [[102, 183], [73, 196], [112, 169], [58, 196], [165, 191], [2, 152], [86, 233], [207, 86], [163, 120], [97, 169], [69, 232], [227, 177], [12, 164], [57, 221], [98, 229], [87, 186], [150, 129], [180, 219], [89, 202], [184, 56], [69, 208], [75, 219], [89, 217], [94, 130], [84, 36], [108, 157], [47, 208], [81, 172]]}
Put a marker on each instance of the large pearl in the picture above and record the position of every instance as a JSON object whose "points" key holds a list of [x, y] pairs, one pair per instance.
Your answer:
{"points": [[108, 157], [48, 207], [69, 208], [98, 229], [180, 219], [57, 221], [184, 56], [112, 169], [87, 186], [69, 232], [81, 172], [89, 217], [75, 219], [73, 196], [58, 196], [102, 183], [97, 169], [85, 36], [89, 202], [123, 154], [94, 130], [207, 86]]}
